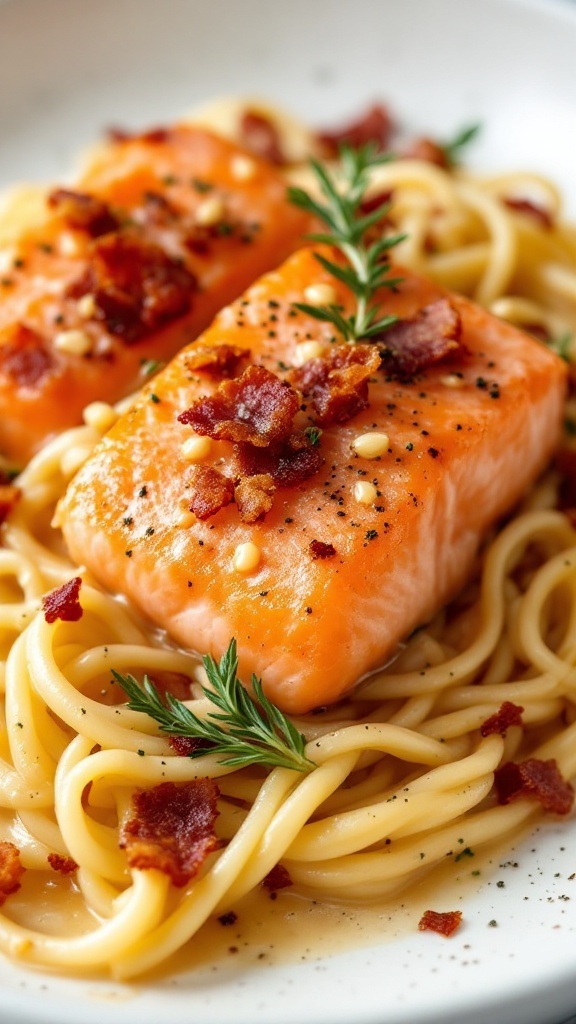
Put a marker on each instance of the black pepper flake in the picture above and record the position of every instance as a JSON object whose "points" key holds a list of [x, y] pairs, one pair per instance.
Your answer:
{"points": [[127, 521], [433, 452], [288, 519], [149, 531], [19, 263], [154, 398], [371, 534], [128, 553], [409, 446], [263, 593], [6, 282], [230, 918], [141, 753], [143, 492], [189, 583], [481, 383], [201, 186], [308, 610]]}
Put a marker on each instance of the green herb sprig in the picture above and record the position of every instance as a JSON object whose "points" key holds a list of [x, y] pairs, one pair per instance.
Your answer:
{"points": [[367, 266], [247, 730], [453, 148]]}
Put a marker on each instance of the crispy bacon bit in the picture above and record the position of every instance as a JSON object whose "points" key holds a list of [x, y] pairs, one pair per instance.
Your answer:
{"points": [[338, 382], [172, 829], [254, 497], [566, 465], [11, 870], [540, 780], [257, 408], [319, 549], [428, 150], [507, 715], [64, 865], [136, 286], [64, 603], [219, 361], [229, 918], [414, 345], [211, 491], [83, 211], [288, 463], [9, 496], [23, 356], [374, 126], [534, 210], [443, 923], [277, 878], [259, 134]]}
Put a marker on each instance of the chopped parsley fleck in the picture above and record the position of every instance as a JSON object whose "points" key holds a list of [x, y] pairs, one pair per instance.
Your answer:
{"points": [[154, 398], [371, 534]]}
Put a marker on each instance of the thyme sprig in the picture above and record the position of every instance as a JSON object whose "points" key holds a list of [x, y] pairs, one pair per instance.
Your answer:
{"points": [[246, 730], [367, 265]]}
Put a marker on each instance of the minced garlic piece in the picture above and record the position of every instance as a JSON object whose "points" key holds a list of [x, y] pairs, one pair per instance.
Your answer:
{"points": [[100, 415], [86, 305], [320, 294], [371, 445], [210, 212], [185, 519], [364, 492], [246, 557], [307, 350], [74, 342], [243, 168], [195, 449]]}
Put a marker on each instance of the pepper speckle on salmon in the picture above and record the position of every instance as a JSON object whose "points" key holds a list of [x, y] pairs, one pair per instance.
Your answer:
{"points": [[325, 621], [125, 269]]}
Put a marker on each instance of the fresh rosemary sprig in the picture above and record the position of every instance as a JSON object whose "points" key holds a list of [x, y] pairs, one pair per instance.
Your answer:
{"points": [[253, 731], [367, 266], [453, 149]]}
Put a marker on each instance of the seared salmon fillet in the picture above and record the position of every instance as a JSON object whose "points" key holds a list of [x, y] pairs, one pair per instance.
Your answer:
{"points": [[130, 263], [260, 429]]}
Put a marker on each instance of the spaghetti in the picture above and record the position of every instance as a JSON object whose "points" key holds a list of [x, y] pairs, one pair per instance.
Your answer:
{"points": [[404, 775]]}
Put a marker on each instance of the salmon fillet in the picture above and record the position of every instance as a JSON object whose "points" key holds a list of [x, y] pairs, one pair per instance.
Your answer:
{"points": [[339, 583], [130, 263]]}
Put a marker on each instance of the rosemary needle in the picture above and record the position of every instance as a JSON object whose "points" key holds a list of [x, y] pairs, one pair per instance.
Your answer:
{"points": [[367, 264], [246, 730]]}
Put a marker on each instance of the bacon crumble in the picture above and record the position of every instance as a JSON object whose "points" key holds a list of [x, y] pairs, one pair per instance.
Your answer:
{"points": [[289, 463], [211, 491], [427, 150], [277, 878], [24, 356], [83, 211], [9, 496], [257, 408], [64, 865], [534, 210], [172, 829], [443, 923], [508, 714], [415, 344], [216, 361], [254, 496], [539, 780], [136, 286], [338, 381], [375, 126], [319, 549], [11, 870], [64, 603]]}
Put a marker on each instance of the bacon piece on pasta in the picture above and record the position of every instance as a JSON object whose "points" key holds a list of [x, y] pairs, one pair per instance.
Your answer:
{"points": [[83, 211], [260, 135], [539, 780], [289, 463], [257, 408], [507, 715], [415, 344], [136, 286], [172, 829], [443, 923], [175, 683], [64, 865], [374, 126], [427, 150], [338, 381], [277, 878], [534, 210], [24, 357], [218, 361], [186, 745], [211, 491], [64, 603], [11, 870], [254, 496]]}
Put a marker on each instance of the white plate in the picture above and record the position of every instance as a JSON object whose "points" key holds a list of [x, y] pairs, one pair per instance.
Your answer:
{"points": [[68, 69]]}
